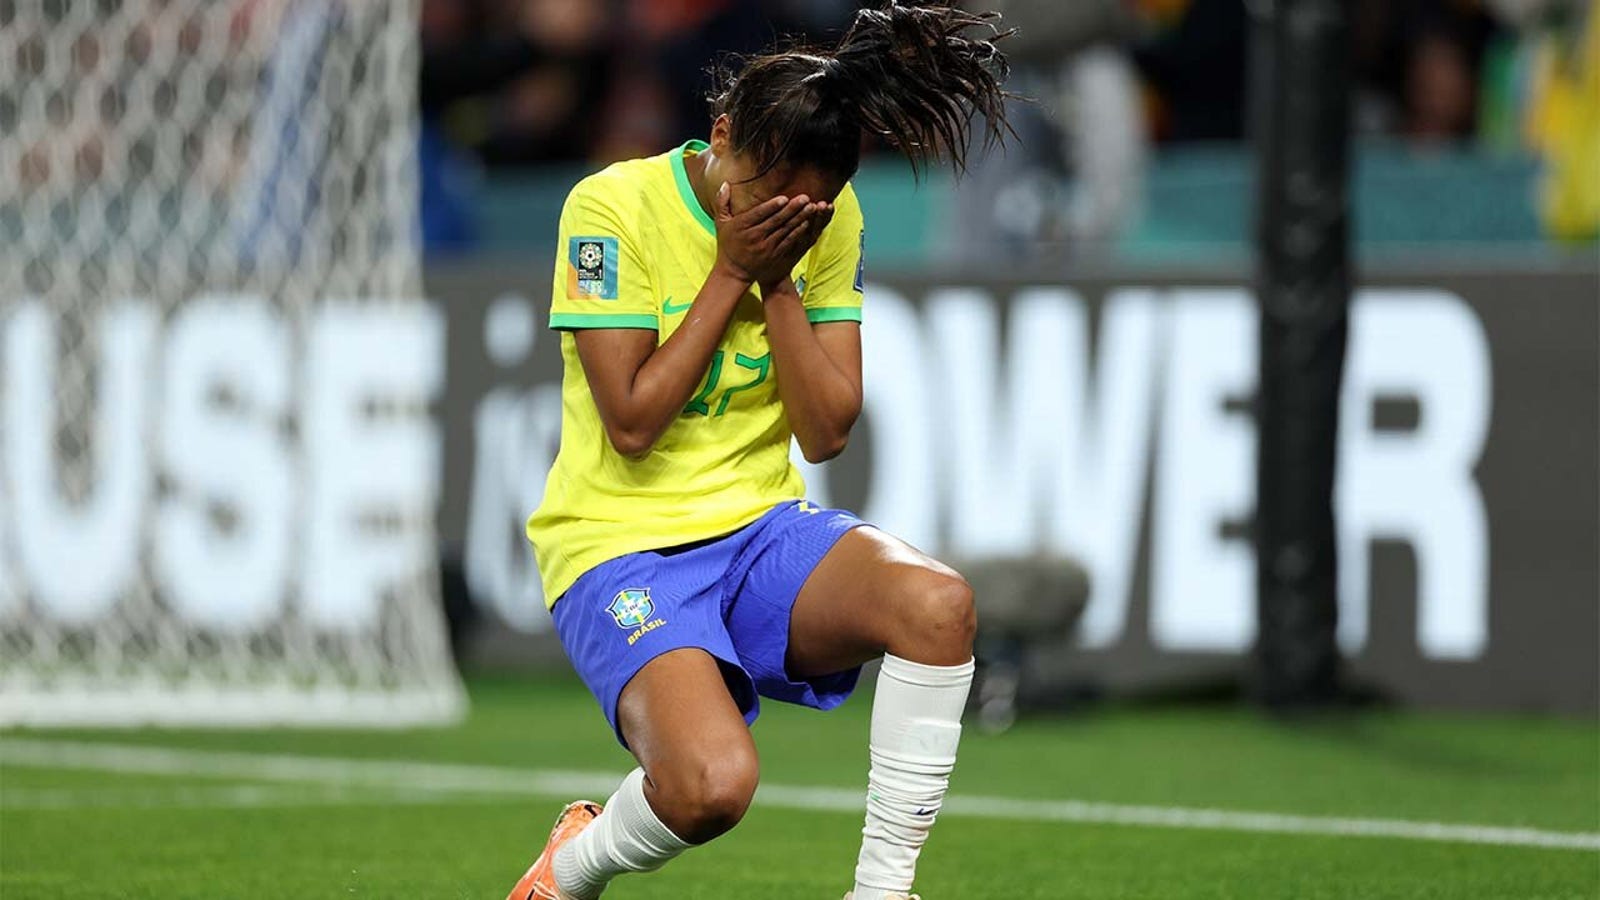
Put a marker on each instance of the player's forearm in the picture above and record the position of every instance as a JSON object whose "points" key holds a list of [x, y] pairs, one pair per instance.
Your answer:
{"points": [[822, 403], [668, 378]]}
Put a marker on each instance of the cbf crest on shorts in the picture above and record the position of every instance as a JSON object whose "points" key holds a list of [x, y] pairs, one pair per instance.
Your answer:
{"points": [[593, 272], [632, 607]]}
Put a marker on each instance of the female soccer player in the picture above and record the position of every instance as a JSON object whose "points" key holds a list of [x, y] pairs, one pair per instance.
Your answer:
{"points": [[709, 301]]}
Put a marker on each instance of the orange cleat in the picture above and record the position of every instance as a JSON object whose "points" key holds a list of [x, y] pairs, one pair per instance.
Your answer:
{"points": [[539, 883]]}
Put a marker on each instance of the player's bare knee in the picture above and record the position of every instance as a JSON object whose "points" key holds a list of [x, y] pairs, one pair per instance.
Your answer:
{"points": [[719, 801], [709, 796], [953, 611], [939, 614]]}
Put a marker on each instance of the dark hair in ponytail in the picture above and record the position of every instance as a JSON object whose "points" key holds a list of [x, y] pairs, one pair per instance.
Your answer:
{"points": [[911, 75]]}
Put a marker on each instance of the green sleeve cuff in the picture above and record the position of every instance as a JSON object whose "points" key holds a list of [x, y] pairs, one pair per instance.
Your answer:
{"points": [[834, 314], [560, 321]]}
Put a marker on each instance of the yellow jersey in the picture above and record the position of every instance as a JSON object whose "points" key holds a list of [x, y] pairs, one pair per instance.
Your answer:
{"points": [[634, 249]]}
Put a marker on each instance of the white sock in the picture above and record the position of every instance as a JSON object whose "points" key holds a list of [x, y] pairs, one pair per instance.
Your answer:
{"points": [[627, 837], [916, 725]]}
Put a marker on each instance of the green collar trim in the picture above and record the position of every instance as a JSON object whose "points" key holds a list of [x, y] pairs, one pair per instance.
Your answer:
{"points": [[681, 176]]}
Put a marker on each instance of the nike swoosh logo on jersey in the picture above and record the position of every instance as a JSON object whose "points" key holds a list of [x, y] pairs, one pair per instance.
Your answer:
{"points": [[669, 309]]}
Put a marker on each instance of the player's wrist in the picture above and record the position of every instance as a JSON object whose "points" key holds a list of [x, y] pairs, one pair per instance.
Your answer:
{"points": [[731, 272], [772, 289]]}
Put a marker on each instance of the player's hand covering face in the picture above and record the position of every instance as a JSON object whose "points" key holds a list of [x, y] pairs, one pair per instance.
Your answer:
{"points": [[763, 243]]}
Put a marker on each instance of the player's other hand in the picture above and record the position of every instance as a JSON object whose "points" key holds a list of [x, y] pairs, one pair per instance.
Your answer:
{"points": [[763, 244]]}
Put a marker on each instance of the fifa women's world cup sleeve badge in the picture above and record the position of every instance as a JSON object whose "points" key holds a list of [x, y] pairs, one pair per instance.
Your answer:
{"points": [[594, 267]]}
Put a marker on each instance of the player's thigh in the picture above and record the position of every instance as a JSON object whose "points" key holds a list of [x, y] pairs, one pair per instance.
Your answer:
{"points": [[685, 729], [870, 591]]}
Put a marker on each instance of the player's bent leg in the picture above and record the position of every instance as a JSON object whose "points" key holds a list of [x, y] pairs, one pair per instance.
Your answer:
{"points": [[872, 595], [698, 773], [690, 737]]}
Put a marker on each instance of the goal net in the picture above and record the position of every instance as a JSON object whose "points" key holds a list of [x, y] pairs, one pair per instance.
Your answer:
{"points": [[218, 457]]}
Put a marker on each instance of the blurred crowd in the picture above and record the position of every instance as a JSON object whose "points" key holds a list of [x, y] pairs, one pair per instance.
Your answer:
{"points": [[526, 81], [509, 83], [517, 82], [514, 83]]}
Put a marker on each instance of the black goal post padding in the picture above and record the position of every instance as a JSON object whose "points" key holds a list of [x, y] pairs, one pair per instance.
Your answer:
{"points": [[1300, 93]]}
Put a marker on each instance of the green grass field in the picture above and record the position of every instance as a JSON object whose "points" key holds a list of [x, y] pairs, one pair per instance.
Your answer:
{"points": [[227, 816]]}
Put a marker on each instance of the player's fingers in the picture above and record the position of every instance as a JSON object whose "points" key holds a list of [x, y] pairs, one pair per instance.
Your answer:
{"points": [[795, 240], [779, 221], [773, 245], [821, 218], [798, 223], [725, 201], [753, 217], [816, 219]]}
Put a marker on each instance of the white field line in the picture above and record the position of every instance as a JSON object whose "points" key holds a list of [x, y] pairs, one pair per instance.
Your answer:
{"points": [[229, 796], [414, 781]]}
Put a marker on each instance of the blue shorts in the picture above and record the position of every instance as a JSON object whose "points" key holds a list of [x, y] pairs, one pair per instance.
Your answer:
{"points": [[729, 596]]}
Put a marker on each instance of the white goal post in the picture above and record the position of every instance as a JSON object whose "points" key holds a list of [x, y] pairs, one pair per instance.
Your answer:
{"points": [[219, 456]]}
